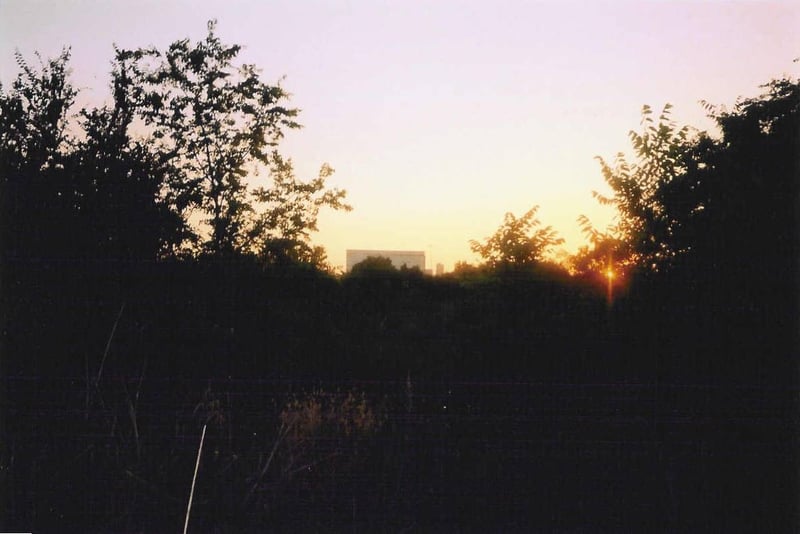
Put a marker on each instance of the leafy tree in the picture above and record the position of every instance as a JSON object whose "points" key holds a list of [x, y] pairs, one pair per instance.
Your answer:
{"points": [[606, 254], [122, 183], [723, 200], [740, 194], [753, 172], [466, 273], [717, 218], [108, 194], [37, 199], [218, 122], [373, 266], [518, 242], [465, 268], [95, 194], [33, 122], [642, 234], [281, 231]]}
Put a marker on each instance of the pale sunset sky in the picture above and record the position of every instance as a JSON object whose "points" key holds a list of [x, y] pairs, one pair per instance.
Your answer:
{"points": [[440, 116]]}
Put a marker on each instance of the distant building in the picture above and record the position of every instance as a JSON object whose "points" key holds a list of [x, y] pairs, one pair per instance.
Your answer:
{"points": [[439, 269], [409, 258]]}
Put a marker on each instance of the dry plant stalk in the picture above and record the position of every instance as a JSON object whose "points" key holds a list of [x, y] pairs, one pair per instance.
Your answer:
{"points": [[194, 479]]}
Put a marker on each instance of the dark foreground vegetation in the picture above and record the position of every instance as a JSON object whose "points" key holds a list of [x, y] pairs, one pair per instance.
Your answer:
{"points": [[510, 396], [388, 403]]}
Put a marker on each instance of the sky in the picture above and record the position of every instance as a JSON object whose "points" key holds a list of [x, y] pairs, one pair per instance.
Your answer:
{"points": [[441, 116]]}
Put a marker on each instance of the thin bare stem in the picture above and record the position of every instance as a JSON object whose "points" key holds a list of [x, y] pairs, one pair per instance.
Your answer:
{"points": [[313, 464], [134, 424], [132, 405], [108, 344], [88, 385], [282, 433], [194, 479]]}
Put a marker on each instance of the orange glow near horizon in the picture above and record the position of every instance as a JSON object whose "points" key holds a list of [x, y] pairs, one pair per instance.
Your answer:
{"points": [[439, 117]]}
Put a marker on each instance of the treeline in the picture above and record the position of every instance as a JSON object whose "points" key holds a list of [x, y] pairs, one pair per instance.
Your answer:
{"points": [[149, 290], [147, 199]]}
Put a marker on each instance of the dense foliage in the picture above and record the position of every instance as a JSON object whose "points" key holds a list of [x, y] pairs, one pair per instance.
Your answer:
{"points": [[163, 171], [518, 242]]}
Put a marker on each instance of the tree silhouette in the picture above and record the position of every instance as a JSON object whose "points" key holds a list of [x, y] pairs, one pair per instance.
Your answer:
{"points": [[373, 266], [643, 232], [94, 194], [740, 196], [287, 213], [106, 194], [123, 183], [36, 112], [218, 122], [518, 242], [37, 198]]}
